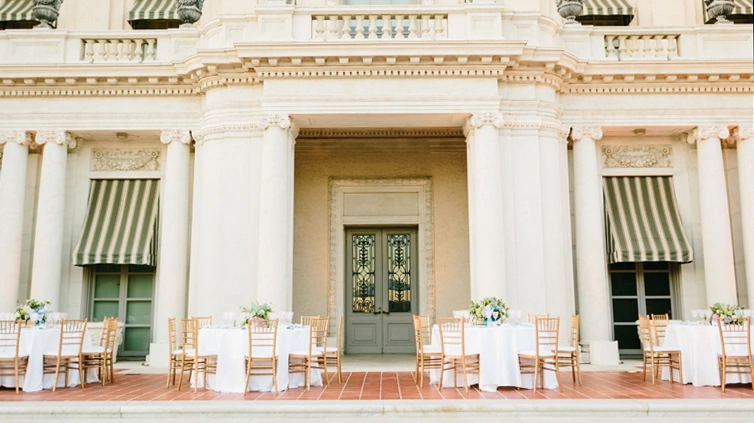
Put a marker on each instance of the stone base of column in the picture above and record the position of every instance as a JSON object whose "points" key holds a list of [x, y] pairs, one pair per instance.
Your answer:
{"points": [[158, 355], [600, 353]]}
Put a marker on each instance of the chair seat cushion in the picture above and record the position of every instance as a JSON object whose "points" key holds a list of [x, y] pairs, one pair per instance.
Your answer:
{"points": [[96, 349], [736, 353], [662, 349], [66, 352], [431, 349], [331, 350], [315, 351], [543, 352], [566, 349], [179, 352], [11, 355]]}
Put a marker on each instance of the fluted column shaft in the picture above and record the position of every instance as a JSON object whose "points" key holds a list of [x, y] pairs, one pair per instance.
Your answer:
{"points": [[172, 286], [485, 207], [12, 196], [48, 234], [744, 136], [717, 241], [591, 264], [275, 265]]}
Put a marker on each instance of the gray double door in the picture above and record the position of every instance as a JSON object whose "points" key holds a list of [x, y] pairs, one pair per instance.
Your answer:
{"points": [[381, 290]]}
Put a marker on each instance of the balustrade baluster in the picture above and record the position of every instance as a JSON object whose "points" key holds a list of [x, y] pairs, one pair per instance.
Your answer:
{"points": [[332, 29], [399, 27], [649, 49], [387, 28], [412, 27], [372, 27], [138, 50], [359, 27], [672, 46], [89, 51], [151, 50], [425, 28], [346, 31], [635, 47], [112, 50], [439, 26], [319, 29]]}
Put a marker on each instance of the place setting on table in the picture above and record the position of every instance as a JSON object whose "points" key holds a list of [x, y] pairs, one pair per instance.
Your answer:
{"points": [[496, 348], [717, 335], [237, 356], [42, 349]]}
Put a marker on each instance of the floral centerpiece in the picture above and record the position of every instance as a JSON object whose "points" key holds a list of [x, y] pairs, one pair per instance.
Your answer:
{"points": [[33, 310], [259, 311], [722, 310], [489, 309]]}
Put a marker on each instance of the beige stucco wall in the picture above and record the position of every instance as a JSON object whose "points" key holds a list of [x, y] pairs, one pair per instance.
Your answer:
{"points": [[311, 226]]}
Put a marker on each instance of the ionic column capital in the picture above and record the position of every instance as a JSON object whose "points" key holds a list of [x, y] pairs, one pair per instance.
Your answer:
{"points": [[593, 132], [281, 121], [743, 133], [175, 135], [478, 120], [703, 132], [58, 137], [18, 137]]}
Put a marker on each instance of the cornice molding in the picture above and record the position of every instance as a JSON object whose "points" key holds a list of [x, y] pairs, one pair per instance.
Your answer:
{"points": [[452, 132]]}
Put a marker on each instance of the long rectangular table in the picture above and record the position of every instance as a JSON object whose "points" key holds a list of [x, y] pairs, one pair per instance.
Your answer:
{"points": [[498, 348]]}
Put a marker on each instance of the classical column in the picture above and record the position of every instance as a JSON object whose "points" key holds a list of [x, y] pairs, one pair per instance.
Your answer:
{"points": [[717, 241], [275, 265], [485, 206], [12, 195], [744, 137], [48, 233], [172, 286], [591, 264]]}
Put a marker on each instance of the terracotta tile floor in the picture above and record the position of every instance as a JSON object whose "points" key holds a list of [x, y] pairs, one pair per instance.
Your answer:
{"points": [[386, 386]]}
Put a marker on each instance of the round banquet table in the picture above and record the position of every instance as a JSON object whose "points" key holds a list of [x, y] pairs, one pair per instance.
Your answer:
{"points": [[231, 346], [699, 346], [36, 342], [498, 348]]}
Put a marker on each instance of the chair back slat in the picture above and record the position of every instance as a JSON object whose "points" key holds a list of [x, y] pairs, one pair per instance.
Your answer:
{"points": [[262, 337], [645, 334], [10, 336], [735, 334], [318, 333], [426, 329], [452, 336], [547, 333], [306, 320], [203, 321], [72, 334], [575, 331], [532, 317], [189, 335], [112, 330], [172, 336]]}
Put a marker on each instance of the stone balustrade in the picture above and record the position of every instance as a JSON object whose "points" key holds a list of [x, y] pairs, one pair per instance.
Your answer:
{"points": [[660, 46], [134, 49], [380, 24]]}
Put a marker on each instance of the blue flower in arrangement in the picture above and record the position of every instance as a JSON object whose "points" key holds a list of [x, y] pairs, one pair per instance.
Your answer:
{"points": [[261, 311], [485, 310]]}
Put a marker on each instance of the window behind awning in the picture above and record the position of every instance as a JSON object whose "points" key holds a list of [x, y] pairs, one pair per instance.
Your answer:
{"points": [[120, 224], [642, 221]]}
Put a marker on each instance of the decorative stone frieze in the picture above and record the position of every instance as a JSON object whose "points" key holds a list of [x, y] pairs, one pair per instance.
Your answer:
{"points": [[175, 135], [579, 132], [637, 156], [702, 132], [125, 160]]}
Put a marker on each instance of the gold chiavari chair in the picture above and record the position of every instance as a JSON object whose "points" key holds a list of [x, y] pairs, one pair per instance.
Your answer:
{"points": [[176, 354], [12, 362], [313, 357], [657, 355], [736, 352], [261, 359], [69, 353], [110, 349], [333, 353], [568, 356], [531, 317], [545, 355], [203, 321], [427, 356], [95, 356], [660, 324], [306, 320], [453, 351], [193, 358]]}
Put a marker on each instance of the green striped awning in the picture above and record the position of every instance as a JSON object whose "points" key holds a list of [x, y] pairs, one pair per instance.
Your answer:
{"points": [[607, 8], [643, 223], [120, 223], [153, 9], [17, 10], [740, 7]]}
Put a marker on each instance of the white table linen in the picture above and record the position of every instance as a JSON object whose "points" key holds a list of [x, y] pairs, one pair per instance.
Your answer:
{"points": [[699, 346], [36, 342], [231, 347], [498, 348]]}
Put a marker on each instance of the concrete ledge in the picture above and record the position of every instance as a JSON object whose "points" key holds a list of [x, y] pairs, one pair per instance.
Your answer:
{"points": [[434, 411]]}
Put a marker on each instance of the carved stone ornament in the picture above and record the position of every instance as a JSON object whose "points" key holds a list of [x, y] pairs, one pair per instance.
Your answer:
{"points": [[579, 132], [481, 119], [125, 160], [283, 121], [46, 12], [703, 132], [183, 137], [19, 137], [638, 156], [569, 9], [189, 11], [57, 137], [719, 9], [742, 133]]}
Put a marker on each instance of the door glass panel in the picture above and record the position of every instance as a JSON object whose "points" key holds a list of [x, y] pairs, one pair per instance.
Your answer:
{"points": [[627, 337], [140, 286], [363, 274], [136, 339], [659, 306], [139, 312], [107, 286], [625, 310], [623, 284], [399, 272], [104, 309], [655, 265], [657, 284]]}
